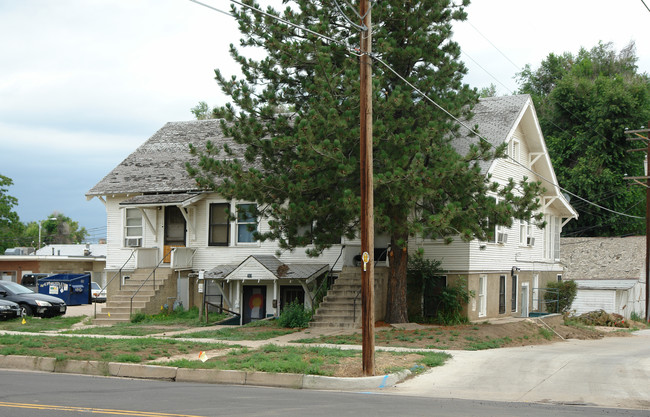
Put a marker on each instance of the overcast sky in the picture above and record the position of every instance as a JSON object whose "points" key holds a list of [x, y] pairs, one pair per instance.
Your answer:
{"points": [[85, 82]]}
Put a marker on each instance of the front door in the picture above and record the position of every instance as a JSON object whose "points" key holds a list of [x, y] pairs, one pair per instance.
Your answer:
{"points": [[254, 307], [291, 293], [174, 231]]}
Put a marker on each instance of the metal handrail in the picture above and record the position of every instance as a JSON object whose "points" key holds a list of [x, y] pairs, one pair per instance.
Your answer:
{"points": [[153, 273], [119, 271], [354, 306], [324, 285]]}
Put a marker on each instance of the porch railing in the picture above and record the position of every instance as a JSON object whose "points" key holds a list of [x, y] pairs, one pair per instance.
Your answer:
{"points": [[152, 276], [117, 273]]}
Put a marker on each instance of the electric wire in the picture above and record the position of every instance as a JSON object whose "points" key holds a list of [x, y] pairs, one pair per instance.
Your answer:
{"points": [[378, 59], [646, 6], [374, 56]]}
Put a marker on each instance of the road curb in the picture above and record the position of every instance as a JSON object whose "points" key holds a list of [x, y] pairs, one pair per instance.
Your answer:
{"points": [[205, 376]]}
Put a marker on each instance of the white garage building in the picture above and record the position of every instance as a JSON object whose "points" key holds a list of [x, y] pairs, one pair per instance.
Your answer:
{"points": [[609, 273]]}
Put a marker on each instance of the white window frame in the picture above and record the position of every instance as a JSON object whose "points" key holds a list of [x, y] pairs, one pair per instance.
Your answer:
{"points": [[514, 149], [498, 230], [129, 229], [525, 231], [245, 222], [552, 238], [482, 295]]}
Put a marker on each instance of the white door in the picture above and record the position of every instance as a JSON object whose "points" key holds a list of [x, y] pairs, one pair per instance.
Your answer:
{"points": [[524, 299]]}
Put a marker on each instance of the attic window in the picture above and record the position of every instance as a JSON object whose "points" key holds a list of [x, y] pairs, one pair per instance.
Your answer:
{"points": [[514, 149]]}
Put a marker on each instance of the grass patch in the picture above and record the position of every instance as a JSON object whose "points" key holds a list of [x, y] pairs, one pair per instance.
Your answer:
{"points": [[37, 325], [124, 329], [257, 330], [179, 317], [99, 349], [546, 333], [489, 344]]}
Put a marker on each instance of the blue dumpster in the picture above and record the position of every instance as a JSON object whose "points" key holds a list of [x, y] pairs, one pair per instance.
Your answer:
{"points": [[74, 289]]}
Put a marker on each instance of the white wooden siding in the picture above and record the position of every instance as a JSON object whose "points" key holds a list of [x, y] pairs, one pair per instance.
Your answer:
{"points": [[206, 257]]}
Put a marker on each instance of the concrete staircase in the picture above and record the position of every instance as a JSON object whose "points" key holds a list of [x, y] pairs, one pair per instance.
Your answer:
{"points": [[118, 305], [338, 308]]}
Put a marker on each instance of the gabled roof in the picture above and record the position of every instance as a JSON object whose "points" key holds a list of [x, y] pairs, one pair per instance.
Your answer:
{"points": [[158, 165], [498, 119], [603, 258], [273, 269]]}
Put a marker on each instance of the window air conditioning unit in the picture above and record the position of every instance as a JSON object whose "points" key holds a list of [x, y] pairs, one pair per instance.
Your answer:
{"points": [[530, 241], [502, 237], [133, 242]]}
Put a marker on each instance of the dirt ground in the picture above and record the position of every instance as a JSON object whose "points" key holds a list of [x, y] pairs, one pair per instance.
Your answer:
{"points": [[471, 337]]}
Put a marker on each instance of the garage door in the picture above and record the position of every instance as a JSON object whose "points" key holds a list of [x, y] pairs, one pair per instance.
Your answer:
{"points": [[590, 300]]}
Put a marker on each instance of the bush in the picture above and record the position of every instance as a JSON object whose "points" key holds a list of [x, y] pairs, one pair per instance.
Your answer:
{"points": [[602, 318], [561, 296], [294, 315], [452, 300]]}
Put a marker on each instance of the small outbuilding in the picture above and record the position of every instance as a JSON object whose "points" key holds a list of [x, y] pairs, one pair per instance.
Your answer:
{"points": [[609, 273]]}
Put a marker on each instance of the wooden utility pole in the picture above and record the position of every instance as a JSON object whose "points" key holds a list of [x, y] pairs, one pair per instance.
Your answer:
{"points": [[367, 203], [638, 180]]}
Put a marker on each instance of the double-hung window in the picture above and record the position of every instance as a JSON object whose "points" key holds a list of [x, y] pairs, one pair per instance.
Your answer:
{"points": [[133, 228], [246, 223], [219, 227]]}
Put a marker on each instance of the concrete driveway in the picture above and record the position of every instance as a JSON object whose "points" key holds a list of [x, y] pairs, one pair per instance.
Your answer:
{"points": [[610, 372]]}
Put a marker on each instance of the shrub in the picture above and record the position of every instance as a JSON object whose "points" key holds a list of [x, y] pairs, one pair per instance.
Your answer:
{"points": [[452, 300], [561, 296], [294, 315]]}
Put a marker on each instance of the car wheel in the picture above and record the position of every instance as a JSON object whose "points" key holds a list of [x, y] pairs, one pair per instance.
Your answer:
{"points": [[25, 310]]}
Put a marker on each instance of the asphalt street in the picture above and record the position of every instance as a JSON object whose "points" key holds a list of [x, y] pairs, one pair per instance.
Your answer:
{"points": [[35, 394]]}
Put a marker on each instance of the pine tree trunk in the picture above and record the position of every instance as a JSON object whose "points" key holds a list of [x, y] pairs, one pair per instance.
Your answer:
{"points": [[396, 311]]}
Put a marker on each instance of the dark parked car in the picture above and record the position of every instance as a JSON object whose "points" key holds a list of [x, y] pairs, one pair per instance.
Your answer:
{"points": [[31, 280], [32, 303], [9, 310]]}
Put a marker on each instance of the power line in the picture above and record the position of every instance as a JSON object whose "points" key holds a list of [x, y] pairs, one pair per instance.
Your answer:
{"points": [[646, 6], [378, 59]]}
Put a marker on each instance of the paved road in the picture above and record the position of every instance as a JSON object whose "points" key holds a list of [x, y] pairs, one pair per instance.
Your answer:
{"points": [[610, 372], [34, 394]]}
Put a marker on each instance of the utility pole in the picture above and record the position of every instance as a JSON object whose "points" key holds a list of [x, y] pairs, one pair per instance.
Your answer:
{"points": [[638, 180], [367, 203]]}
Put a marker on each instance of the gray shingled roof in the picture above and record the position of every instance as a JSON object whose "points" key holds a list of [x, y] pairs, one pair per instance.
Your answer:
{"points": [[603, 257], [495, 117], [273, 265], [158, 165]]}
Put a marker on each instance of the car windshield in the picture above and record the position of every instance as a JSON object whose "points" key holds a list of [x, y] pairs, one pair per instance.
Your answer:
{"points": [[14, 288], [95, 286]]}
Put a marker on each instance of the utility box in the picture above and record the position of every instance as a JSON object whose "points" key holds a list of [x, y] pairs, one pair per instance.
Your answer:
{"points": [[74, 289]]}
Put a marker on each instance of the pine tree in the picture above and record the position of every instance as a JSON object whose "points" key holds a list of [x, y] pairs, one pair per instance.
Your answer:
{"points": [[296, 111]]}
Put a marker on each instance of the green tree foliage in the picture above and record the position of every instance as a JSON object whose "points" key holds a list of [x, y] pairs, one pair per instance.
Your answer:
{"points": [[202, 111], [57, 228], [302, 165], [11, 228], [490, 91], [584, 103]]}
